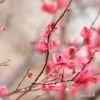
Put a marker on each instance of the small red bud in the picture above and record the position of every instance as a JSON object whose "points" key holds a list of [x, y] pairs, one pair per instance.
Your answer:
{"points": [[68, 9], [32, 41], [3, 28], [30, 74]]}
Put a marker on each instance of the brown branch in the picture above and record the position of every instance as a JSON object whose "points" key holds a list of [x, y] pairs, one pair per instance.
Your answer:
{"points": [[4, 63], [76, 50], [22, 79], [62, 14], [22, 95], [91, 27], [49, 38], [47, 55], [96, 74], [53, 27], [61, 80], [81, 46], [2, 1], [83, 67], [38, 96]]}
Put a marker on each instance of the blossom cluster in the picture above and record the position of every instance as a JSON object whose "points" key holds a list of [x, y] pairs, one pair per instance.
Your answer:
{"points": [[67, 60], [52, 7], [54, 87]]}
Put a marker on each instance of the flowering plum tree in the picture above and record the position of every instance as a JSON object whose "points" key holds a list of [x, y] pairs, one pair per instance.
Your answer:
{"points": [[63, 61]]}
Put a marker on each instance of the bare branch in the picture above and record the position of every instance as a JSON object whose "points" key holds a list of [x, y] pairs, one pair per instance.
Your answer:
{"points": [[4, 63], [2, 1]]}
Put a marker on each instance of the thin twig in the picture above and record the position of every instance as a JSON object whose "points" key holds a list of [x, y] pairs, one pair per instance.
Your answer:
{"points": [[4, 63], [38, 96], [83, 67], [22, 95], [96, 74], [47, 56], [22, 79], [95, 20], [76, 50], [62, 14]]}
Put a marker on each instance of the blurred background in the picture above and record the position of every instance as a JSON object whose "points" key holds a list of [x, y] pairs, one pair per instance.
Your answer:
{"points": [[24, 21]]}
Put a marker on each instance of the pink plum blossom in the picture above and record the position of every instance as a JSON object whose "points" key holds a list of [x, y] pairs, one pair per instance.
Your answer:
{"points": [[54, 87], [61, 4], [55, 43], [49, 7], [30, 74], [3, 90], [86, 33], [69, 51], [3, 28], [50, 66], [59, 60], [43, 46], [74, 91], [48, 30], [84, 77]]}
